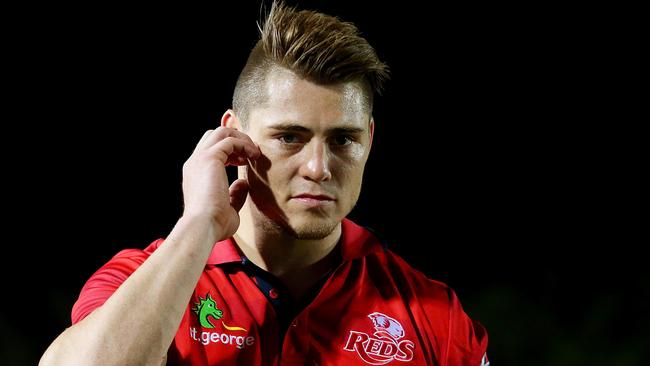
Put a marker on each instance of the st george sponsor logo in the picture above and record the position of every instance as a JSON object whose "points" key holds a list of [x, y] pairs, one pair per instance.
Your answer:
{"points": [[228, 339], [385, 344], [205, 309]]}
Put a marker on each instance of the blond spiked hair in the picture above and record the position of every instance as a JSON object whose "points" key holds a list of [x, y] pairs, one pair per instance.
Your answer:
{"points": [[315, 46]]}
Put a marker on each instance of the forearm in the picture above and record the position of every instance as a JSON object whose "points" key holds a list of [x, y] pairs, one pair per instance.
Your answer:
{"points": [[138, 322]]}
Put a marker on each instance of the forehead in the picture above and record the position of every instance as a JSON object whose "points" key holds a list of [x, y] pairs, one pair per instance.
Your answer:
{"points": [[290, 98]]}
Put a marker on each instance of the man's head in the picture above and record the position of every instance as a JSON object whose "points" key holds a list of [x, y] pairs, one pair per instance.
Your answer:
{"points": [[305, 97], [316, 47]]}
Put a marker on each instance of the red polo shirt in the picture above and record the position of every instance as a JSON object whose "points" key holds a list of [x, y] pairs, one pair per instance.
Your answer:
{"points": [[373, 309]]}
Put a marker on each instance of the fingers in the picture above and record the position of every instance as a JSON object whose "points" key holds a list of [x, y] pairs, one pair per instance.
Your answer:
{"points": [[237, 160], [231, 146], [238, 193], [235, 151], [224, 132], [203, 138]]}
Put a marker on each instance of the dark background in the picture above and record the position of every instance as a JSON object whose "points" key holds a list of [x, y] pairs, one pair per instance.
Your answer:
{"points": [[496, 166]]}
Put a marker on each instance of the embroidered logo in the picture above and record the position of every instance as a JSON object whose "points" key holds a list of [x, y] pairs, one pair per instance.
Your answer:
{"points": [[207, 311], [385, 344], [206, 308]]}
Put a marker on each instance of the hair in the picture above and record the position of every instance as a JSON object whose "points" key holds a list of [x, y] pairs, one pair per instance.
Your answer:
{"points": [[315, 46]]}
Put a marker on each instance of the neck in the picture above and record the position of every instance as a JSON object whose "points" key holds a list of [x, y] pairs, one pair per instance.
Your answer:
{"points": [[282, 254]]}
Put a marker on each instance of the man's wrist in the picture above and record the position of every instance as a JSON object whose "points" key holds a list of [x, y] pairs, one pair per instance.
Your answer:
{"points": [[201, 224]]}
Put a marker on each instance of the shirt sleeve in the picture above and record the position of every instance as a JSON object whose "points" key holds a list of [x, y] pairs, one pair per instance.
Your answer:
{"points": [[467, 342], [103, 283]]}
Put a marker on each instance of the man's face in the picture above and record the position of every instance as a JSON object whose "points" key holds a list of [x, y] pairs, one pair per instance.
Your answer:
{"points": [[315, 142]]}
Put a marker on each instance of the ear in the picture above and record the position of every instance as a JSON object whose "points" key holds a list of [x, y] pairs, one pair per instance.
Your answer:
{"points": [[229, 119], [372, 129]]}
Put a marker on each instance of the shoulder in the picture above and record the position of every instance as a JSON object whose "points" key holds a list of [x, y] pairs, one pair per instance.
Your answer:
{"points": [[105, 281], [413, 279], [436, 309], [436, 297], [134, 257], [125, 262]]}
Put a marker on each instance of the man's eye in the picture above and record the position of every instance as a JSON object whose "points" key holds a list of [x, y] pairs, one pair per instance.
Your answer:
{"points": [[342, 140], [288, 139]]}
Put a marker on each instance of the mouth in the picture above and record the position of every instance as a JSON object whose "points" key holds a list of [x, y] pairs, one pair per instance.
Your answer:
{"points": [[313, 200]]}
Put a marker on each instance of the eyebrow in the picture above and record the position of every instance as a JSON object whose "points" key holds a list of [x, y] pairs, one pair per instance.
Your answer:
{"points": [[293, 127]]}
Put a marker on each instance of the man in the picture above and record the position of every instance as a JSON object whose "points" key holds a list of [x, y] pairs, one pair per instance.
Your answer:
{"points": [[289, 281]]}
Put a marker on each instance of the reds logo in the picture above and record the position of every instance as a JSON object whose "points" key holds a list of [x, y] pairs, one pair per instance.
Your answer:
{"points": [[385, 346]]}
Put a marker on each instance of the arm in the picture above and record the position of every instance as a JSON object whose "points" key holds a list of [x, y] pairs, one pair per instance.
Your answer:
{"points": [[137, 324], [468, 340]]}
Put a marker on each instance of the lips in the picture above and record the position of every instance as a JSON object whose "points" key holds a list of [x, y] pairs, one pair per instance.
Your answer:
{"points": [[321, 197], [314, 200]]}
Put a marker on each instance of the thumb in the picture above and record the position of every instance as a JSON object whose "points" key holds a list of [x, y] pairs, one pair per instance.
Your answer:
{"points": [[238, 193]]}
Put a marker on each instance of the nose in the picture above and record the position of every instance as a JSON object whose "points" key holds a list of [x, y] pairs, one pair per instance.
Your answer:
{"points": [[316, 164]]}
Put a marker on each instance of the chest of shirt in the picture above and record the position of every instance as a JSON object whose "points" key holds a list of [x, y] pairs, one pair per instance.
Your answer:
{"points": [[353, 320]]}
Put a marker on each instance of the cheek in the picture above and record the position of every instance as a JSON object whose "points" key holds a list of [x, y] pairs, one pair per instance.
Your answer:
{"points": [[275, 153], [355, 161], [280, 167], [349, 174], [358, 154]]}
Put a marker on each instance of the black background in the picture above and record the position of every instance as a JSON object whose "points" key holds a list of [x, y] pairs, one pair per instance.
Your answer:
{"points": [[496, 167]]}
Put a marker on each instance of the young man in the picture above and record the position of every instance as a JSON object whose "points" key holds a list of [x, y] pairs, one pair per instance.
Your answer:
{"points": [[289, 281]]}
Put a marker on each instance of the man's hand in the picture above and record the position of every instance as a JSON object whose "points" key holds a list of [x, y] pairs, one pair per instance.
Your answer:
{"points": [[131, 329], [205, 182]]}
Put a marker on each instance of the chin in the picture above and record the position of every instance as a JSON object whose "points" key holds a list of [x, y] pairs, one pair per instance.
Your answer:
{"points": [[300, 224], [313, 228]]}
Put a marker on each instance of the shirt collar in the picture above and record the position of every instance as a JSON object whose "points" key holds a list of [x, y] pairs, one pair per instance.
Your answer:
{"points": [[356, 242]]}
